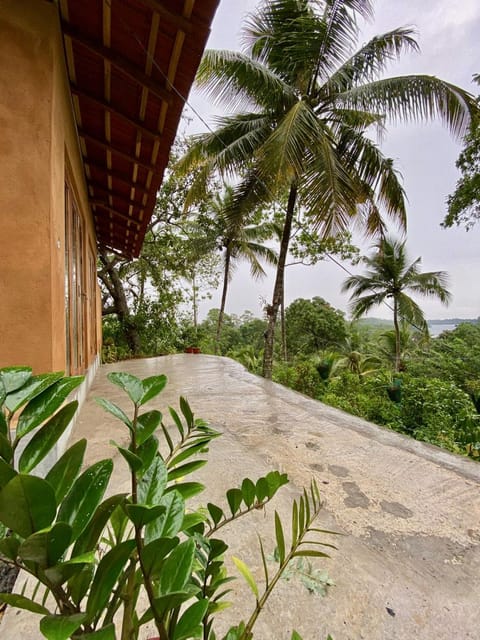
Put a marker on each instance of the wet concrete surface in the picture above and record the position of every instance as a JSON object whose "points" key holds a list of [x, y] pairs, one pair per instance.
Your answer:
{"points": [[408, 560]]}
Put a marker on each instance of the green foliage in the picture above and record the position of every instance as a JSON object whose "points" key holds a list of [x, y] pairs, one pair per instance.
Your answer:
{"points": [[129, 559], [464, 203], [312, 325]]}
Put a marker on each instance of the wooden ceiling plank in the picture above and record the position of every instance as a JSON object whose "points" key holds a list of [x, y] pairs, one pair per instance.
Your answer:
{"points": [[112, 194], [116, 175], [101, 187], [118, 214], [113, 109], [120, 152], [176, 19], [121, 63]]}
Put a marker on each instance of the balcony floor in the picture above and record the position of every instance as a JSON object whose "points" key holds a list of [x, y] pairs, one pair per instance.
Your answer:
{"points": [[408, 562]]}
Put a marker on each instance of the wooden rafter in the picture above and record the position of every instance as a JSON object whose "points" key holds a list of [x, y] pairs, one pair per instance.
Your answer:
{"points": [[121, 63], [100, 203], [116, 175], [176, 19], [120, 152], [96, 186], [156, 135]]}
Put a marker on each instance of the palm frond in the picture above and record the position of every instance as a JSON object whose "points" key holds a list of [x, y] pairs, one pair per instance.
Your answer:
{"points": [[240, 82], [413, 98], [370, 61]]}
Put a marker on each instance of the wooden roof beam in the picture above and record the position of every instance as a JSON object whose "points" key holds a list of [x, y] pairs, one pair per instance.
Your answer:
{"points": [[111, 192], [120, 152], [124, 216], [124, 65], [126, 201], [115, 175], [156, 135], [176, 19]]}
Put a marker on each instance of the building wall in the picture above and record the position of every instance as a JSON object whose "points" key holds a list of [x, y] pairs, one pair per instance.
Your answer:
{"points": [[37, 144]]}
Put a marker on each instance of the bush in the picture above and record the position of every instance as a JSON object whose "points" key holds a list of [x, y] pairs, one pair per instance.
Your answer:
{"points": [[96, 556]]}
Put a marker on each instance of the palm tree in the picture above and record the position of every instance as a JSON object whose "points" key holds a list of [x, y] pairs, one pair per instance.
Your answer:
{"points": [[389, 277], [241, 241], [306, 103]]}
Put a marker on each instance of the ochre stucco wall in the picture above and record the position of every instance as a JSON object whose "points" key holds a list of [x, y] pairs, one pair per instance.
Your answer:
{"points": [[38, 140]]}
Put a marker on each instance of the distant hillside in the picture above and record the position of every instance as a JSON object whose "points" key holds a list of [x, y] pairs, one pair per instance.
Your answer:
{"points": [[375, 323], [455, 321]]}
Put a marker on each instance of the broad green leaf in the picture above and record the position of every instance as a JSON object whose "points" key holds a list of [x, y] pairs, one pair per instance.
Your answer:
{"points": [[105, 633], [58, 541], [21, 602], [133, 461], [275, 480], [280, 538], [130, 384], [115, 411], [247, 574], [6, 451], [146, 425], [109, 569], [192, 520], [310, 553], [45, 404], [60, 573], [14, 377], [141, 514], [79, 584], [152, 387], [187, 412], [3, 420], [153, 554], [185, 469], [177, 570], [177, 421], [3, 394], [46, 438], [190, 620], [166, 603], [147, 452], [234, 499], [27, 505], [88, 539], [295, 636], [187, 489], [57, 627], [170, 522], [248, 492], [7, 472], [215, 513], [200, 446], [9, 547], [63, 473], [153, 483], [83, 498], [261, 489], [32, 388]]}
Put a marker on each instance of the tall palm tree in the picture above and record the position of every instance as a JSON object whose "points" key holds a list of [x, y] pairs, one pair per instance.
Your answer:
{"points": [[389, 277], [305, 102], [240, 241]]}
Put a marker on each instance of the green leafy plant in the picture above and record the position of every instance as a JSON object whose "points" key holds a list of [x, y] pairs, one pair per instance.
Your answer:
{"points": [[104, 567]]}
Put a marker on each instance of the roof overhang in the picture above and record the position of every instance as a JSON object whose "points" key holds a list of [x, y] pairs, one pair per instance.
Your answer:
{"points": [[131, 64]]}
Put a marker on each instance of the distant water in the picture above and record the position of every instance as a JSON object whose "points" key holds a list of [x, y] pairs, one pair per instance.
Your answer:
{"points": [[437, 329]]}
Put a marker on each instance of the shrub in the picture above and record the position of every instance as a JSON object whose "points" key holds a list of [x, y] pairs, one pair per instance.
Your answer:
{"points": [[96, 556]]}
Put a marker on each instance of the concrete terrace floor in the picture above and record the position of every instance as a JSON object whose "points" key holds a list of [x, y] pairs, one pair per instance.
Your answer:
{"points": [[408, 562]]}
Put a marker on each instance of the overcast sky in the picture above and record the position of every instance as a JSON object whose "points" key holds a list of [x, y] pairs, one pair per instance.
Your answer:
{"points": [[425, 155]]}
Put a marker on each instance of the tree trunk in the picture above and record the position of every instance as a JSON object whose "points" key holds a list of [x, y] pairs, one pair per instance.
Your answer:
{"points": [[397, 336], [272, 310], [120, 305], [282, 322], [224, 298]]}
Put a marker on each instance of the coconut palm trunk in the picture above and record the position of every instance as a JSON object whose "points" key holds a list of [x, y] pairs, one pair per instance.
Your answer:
{"points": [[272, 310], [397, 336], [226, 275]]}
